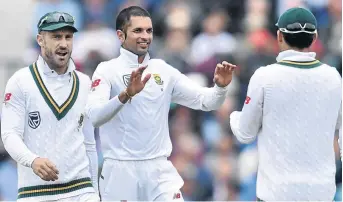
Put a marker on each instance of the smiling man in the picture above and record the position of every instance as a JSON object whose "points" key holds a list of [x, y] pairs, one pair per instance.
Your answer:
{"points": [[130, 101], [43, 124]]}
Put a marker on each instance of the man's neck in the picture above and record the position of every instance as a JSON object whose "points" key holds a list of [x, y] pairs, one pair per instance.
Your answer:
{"points": [[58, 70], [296, 49], [141, 59]]}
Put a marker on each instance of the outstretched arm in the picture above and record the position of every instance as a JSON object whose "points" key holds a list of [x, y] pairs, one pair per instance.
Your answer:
{"points": [[100, 108], [189, 94]]}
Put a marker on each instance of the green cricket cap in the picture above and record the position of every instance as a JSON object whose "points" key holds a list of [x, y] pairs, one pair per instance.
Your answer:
{"points": [[56, 20], [296, 15]]}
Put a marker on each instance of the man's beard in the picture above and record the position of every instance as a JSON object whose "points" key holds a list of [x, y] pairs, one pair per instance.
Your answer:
{"points": [[141, 53], [53, 61], [135, 50]]}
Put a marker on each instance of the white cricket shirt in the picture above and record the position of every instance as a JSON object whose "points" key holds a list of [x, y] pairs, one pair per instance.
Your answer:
{"points": [[294, 108], [139, 130], [42, 116]]}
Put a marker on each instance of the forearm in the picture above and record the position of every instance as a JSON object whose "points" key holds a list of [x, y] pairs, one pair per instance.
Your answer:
{"points": [[16, 148], [93, 165], [101, 113], [213, 98], [241, 133], [124, 97]]}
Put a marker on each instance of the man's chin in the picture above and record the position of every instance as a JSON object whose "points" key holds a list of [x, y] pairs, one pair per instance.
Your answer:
{"points": [[142, 52], [61, 64]]}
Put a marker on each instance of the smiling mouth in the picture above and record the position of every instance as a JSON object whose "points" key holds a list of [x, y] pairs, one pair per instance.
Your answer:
{"points": [[143, 43]]}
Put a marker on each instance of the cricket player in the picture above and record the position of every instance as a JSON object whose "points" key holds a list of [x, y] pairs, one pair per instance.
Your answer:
{"points": [[43, 117], [130, 101], [294, 107]]}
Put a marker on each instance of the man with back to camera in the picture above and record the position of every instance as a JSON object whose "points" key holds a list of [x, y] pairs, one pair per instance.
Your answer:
{"points": [[132, 113], [43, 121], [294, 107]]}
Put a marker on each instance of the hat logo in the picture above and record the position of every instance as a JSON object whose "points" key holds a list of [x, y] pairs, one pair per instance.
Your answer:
{"points": [[61, 19]]}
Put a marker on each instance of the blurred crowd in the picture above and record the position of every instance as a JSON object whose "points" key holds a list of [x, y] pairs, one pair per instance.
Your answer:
{"points": [[193, 36]]}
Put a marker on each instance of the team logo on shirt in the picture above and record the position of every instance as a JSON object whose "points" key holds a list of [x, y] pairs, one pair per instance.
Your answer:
{"points": [[80, 122], [126, 79], [34, 120], [158, 79]]}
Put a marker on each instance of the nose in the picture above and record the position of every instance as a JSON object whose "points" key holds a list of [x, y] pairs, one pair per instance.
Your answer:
{"points": [[146, 35], [63, 43]]}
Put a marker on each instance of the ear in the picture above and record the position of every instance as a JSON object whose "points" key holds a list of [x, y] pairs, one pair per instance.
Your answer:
{"points": [[121, 35], [279, 36], [39, 39]]}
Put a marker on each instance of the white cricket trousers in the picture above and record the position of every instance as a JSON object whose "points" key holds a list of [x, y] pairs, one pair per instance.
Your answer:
{"points": [[86, 197], [144, 180]]}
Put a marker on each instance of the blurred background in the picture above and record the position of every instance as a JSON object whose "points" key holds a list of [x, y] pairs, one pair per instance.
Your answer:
{"points": [[192, 36]]}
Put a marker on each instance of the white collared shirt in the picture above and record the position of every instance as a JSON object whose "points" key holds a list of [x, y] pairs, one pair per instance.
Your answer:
{"points": [[58, 84], [139, 130], [43, 116], [294, 108]]}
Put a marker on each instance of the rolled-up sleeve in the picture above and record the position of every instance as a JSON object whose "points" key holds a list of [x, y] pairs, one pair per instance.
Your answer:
{"points": [[13, 122], [188, 93], [246, 124]]}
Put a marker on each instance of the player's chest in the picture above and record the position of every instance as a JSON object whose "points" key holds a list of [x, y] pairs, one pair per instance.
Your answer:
{"points": [[158, 86], [54, 102]]}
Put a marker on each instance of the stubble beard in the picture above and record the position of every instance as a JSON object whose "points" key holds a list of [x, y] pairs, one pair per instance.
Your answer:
{"points": [[53, 62]]}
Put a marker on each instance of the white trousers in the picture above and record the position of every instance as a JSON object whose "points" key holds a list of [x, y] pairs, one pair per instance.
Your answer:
{"points": [[86, 197], [146, 180]]}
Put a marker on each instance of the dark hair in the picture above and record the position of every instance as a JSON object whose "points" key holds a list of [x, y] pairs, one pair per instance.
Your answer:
{"points": [[299, 40], [124, 16]]}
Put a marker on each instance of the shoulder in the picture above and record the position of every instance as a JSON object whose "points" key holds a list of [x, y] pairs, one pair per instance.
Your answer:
{"points": [[262, 75], [19, 82], [108, 65], [331, 72], [163, 64], [157, 61], [268, 71], [263, 71], [21, 75], [84, 78], [106, 69]]}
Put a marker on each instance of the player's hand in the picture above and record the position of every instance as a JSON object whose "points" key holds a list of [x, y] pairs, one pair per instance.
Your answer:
{"points": [[223, 73], [45, 169], [136, 84]]}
